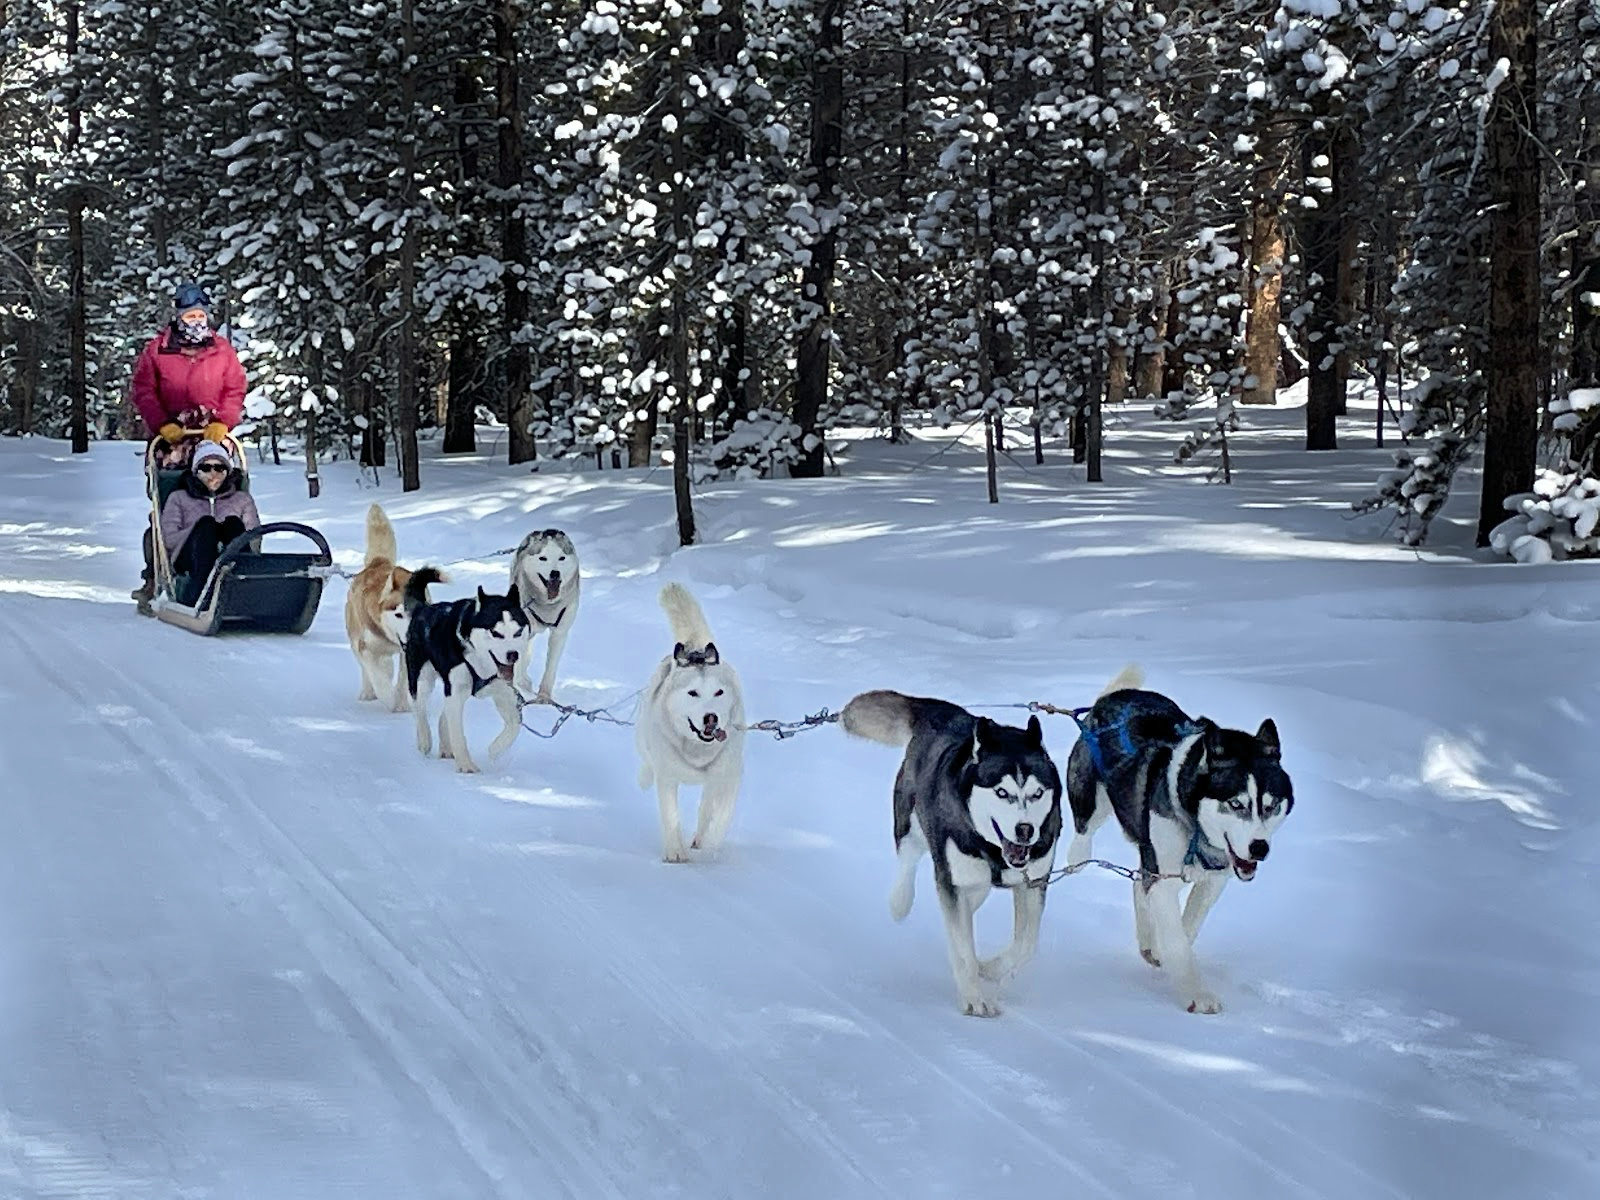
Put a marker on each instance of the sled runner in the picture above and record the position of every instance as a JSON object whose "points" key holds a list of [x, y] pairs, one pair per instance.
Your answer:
{"points": [[249, 589]]}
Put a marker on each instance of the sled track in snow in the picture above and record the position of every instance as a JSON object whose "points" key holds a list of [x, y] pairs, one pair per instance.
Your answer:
{"points": [[386, 964]]}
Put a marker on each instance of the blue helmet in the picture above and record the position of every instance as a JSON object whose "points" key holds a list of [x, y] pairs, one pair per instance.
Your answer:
{"points": [[191, 295]]}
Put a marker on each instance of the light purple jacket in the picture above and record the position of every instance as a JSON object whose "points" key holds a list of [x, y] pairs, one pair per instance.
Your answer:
{"points": [[184, 508]]}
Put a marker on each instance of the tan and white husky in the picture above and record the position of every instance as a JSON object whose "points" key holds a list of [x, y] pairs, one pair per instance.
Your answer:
{"points": [[375, 616]]}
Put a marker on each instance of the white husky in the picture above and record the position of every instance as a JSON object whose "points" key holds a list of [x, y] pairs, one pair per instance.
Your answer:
{"points": [[691, 729]]}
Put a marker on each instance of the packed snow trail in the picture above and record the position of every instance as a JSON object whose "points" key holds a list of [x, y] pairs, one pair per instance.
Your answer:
{"points": [[256, 946]]}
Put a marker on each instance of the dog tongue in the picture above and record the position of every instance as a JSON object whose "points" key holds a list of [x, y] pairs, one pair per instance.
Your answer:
{"points": [[552, 589], [505, 670], [1015, 854]]}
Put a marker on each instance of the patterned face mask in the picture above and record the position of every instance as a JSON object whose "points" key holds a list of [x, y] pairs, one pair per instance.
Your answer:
{"points": [[193, 330]]}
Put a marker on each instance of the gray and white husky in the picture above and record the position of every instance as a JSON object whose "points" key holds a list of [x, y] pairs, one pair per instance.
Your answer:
{"points": [[691, 729], [545, 574], [984, 799], [1200, 802]]}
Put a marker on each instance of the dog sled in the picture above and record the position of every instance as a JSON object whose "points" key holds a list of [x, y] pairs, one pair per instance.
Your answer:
{"points": [[249, 589]]}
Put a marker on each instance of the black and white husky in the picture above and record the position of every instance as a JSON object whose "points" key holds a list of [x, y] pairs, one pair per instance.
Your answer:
{"points": [[473, 645], [545, 574], [691, 729], [984, 800], [1200, 802]]}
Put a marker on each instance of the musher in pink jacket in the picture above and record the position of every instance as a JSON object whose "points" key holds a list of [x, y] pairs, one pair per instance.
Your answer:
{"points": [[186, 378]]}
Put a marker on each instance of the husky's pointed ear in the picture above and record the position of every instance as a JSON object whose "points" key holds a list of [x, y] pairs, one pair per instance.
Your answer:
{"points": [[513, 597], [712, 658], [680, 655], [1211, 740], [483, 596], [1035, 732], [1267, 735]]}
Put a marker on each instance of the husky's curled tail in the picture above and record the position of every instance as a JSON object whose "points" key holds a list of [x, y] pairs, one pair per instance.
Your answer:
{"points": [[416, 594], [890, 717], [381, 546], [684, 615], [1131, 676]]}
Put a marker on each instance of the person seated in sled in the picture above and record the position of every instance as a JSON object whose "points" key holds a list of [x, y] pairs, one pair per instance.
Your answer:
{"points": [[186, 378], [207, 512]]}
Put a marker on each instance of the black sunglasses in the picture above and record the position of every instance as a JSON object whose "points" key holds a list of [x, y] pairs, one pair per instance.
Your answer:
{"points": [[212, 468]]}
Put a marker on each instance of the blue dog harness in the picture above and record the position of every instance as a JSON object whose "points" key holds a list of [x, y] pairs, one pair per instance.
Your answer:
{"points": [[1201, 852]]}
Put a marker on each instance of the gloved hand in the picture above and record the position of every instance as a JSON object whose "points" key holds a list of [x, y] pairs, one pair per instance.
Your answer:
{"points": [[171, 433], [215, 432]]}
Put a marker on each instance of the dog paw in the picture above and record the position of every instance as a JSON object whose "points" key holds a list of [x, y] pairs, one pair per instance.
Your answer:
{"points": [[1204, 1002], [979, 1006], [1149, 956], [466, 767], [675, 854], [543, 697]]}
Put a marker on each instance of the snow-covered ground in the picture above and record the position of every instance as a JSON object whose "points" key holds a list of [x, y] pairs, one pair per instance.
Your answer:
{"points": [[254, 947]]}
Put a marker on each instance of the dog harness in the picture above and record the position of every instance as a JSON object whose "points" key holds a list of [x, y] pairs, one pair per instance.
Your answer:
{"points": [[528, 608], [479, 682], [1201, 852]]}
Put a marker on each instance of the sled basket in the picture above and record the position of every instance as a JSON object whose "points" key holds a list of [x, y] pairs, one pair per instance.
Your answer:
{"points": [[250, 589]]}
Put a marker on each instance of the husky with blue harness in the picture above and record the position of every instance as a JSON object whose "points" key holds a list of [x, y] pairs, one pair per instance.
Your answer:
{"points": [[1201, 803]]}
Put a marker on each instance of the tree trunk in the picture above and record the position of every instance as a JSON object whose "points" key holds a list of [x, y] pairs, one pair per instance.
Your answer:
{"points": [[1172, 364], [1147, 359], [1094, 429], [1319, 238], [1346, 184], [465, 385], [77, 328], [905, 390], [1263, 347], [313, 476], [678, 337], [646, 419], [816, 280], [513, 230], [1117, 365], [1585, 369], [155, 121], [406, 392], [77, 322], [468, 364], [1511, 430], [991, 433]]}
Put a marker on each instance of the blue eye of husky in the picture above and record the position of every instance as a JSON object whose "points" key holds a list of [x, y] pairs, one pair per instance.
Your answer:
{"points": [[1237, 805], [1001, 793]]}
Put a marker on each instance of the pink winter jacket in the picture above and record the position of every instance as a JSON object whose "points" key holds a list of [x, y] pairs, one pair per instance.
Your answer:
{"points": [[184, 508], [190, 388]]}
